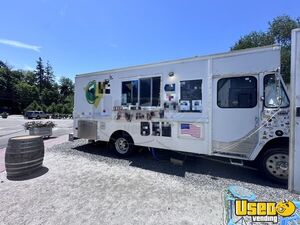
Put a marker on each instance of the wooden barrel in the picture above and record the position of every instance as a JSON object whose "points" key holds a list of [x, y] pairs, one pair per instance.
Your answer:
{"points": [[24, 154]]}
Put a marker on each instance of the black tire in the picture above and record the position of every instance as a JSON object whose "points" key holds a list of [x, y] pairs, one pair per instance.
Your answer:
{"points": [[122, 145], [274, 164]]}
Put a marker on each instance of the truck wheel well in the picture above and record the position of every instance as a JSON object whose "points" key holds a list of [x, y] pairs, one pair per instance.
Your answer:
{"points": [[274, 143], [120, 133]]}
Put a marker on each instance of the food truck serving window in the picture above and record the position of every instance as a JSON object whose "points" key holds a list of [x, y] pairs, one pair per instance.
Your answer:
{"points": [[145, 91], [237, 92]]}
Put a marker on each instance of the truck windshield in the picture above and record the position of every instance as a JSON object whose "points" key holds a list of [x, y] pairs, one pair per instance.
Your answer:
{"points": [[273, 95]]}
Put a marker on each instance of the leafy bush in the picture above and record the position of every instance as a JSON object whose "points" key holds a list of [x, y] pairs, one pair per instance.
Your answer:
{"points": [[51, 108], [34, 106], [59, 108], [37, 124], [44, 108], [4, 115]]}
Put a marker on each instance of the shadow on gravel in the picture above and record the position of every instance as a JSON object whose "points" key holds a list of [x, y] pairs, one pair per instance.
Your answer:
{"points": [[35, 174], [192, 164]]}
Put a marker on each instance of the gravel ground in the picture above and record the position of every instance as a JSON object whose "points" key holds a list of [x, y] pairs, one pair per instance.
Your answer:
{"points": [[86, 184]]}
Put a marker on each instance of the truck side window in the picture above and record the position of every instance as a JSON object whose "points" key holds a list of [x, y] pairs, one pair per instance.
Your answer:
{"points": [[271, 93], [237, 92], [150, 91], [129, 92]]}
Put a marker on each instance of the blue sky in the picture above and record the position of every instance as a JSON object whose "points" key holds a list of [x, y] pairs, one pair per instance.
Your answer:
{"points": [[82, 36]]}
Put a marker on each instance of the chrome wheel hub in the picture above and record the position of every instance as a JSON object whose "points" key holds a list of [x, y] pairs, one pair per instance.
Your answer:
{"points": [[122, 145], [278, 165]]}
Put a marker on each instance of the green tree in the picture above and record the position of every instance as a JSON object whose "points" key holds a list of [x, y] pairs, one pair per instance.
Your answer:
{"points": [[39, 73], [6, 83], [3, 64], [279, 32], [2, 84], [254, 39], [49, 76], [33, 106], [30, 77], [48, 96], [59, 108], [66, 87], [65, 109], [44, 107], [280, 28], [52, 108], [69, 99], [8, 80], [19, 88], [3, 78], [26, 94], [68, 104]]}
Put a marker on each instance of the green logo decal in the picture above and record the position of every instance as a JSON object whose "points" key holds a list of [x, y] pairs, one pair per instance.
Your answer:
{"points": [[92, 94], [94, 91]]}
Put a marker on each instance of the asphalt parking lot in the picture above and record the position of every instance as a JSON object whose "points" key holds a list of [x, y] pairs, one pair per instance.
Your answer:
{"points": [[13, 126], [84, 183]]}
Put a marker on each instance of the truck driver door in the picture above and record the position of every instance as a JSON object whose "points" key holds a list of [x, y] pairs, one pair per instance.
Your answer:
{"points": [[235, 115]]}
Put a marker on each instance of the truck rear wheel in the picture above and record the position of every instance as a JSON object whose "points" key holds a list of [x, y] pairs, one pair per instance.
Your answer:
{"points": [[275, 164], [122, 145]]}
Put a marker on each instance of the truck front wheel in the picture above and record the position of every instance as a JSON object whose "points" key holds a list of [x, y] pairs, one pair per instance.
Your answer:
{"points": [[275, 164], [122, 145]]}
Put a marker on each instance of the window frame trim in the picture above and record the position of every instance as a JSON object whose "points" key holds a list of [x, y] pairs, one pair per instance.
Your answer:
{"points": [[256, 103]]}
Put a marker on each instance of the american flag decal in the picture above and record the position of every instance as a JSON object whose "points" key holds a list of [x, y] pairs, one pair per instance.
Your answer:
{"points": [[190, 129]]}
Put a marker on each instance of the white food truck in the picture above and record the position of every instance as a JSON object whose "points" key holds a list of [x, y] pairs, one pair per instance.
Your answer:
{"points": [[232, 105]]}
